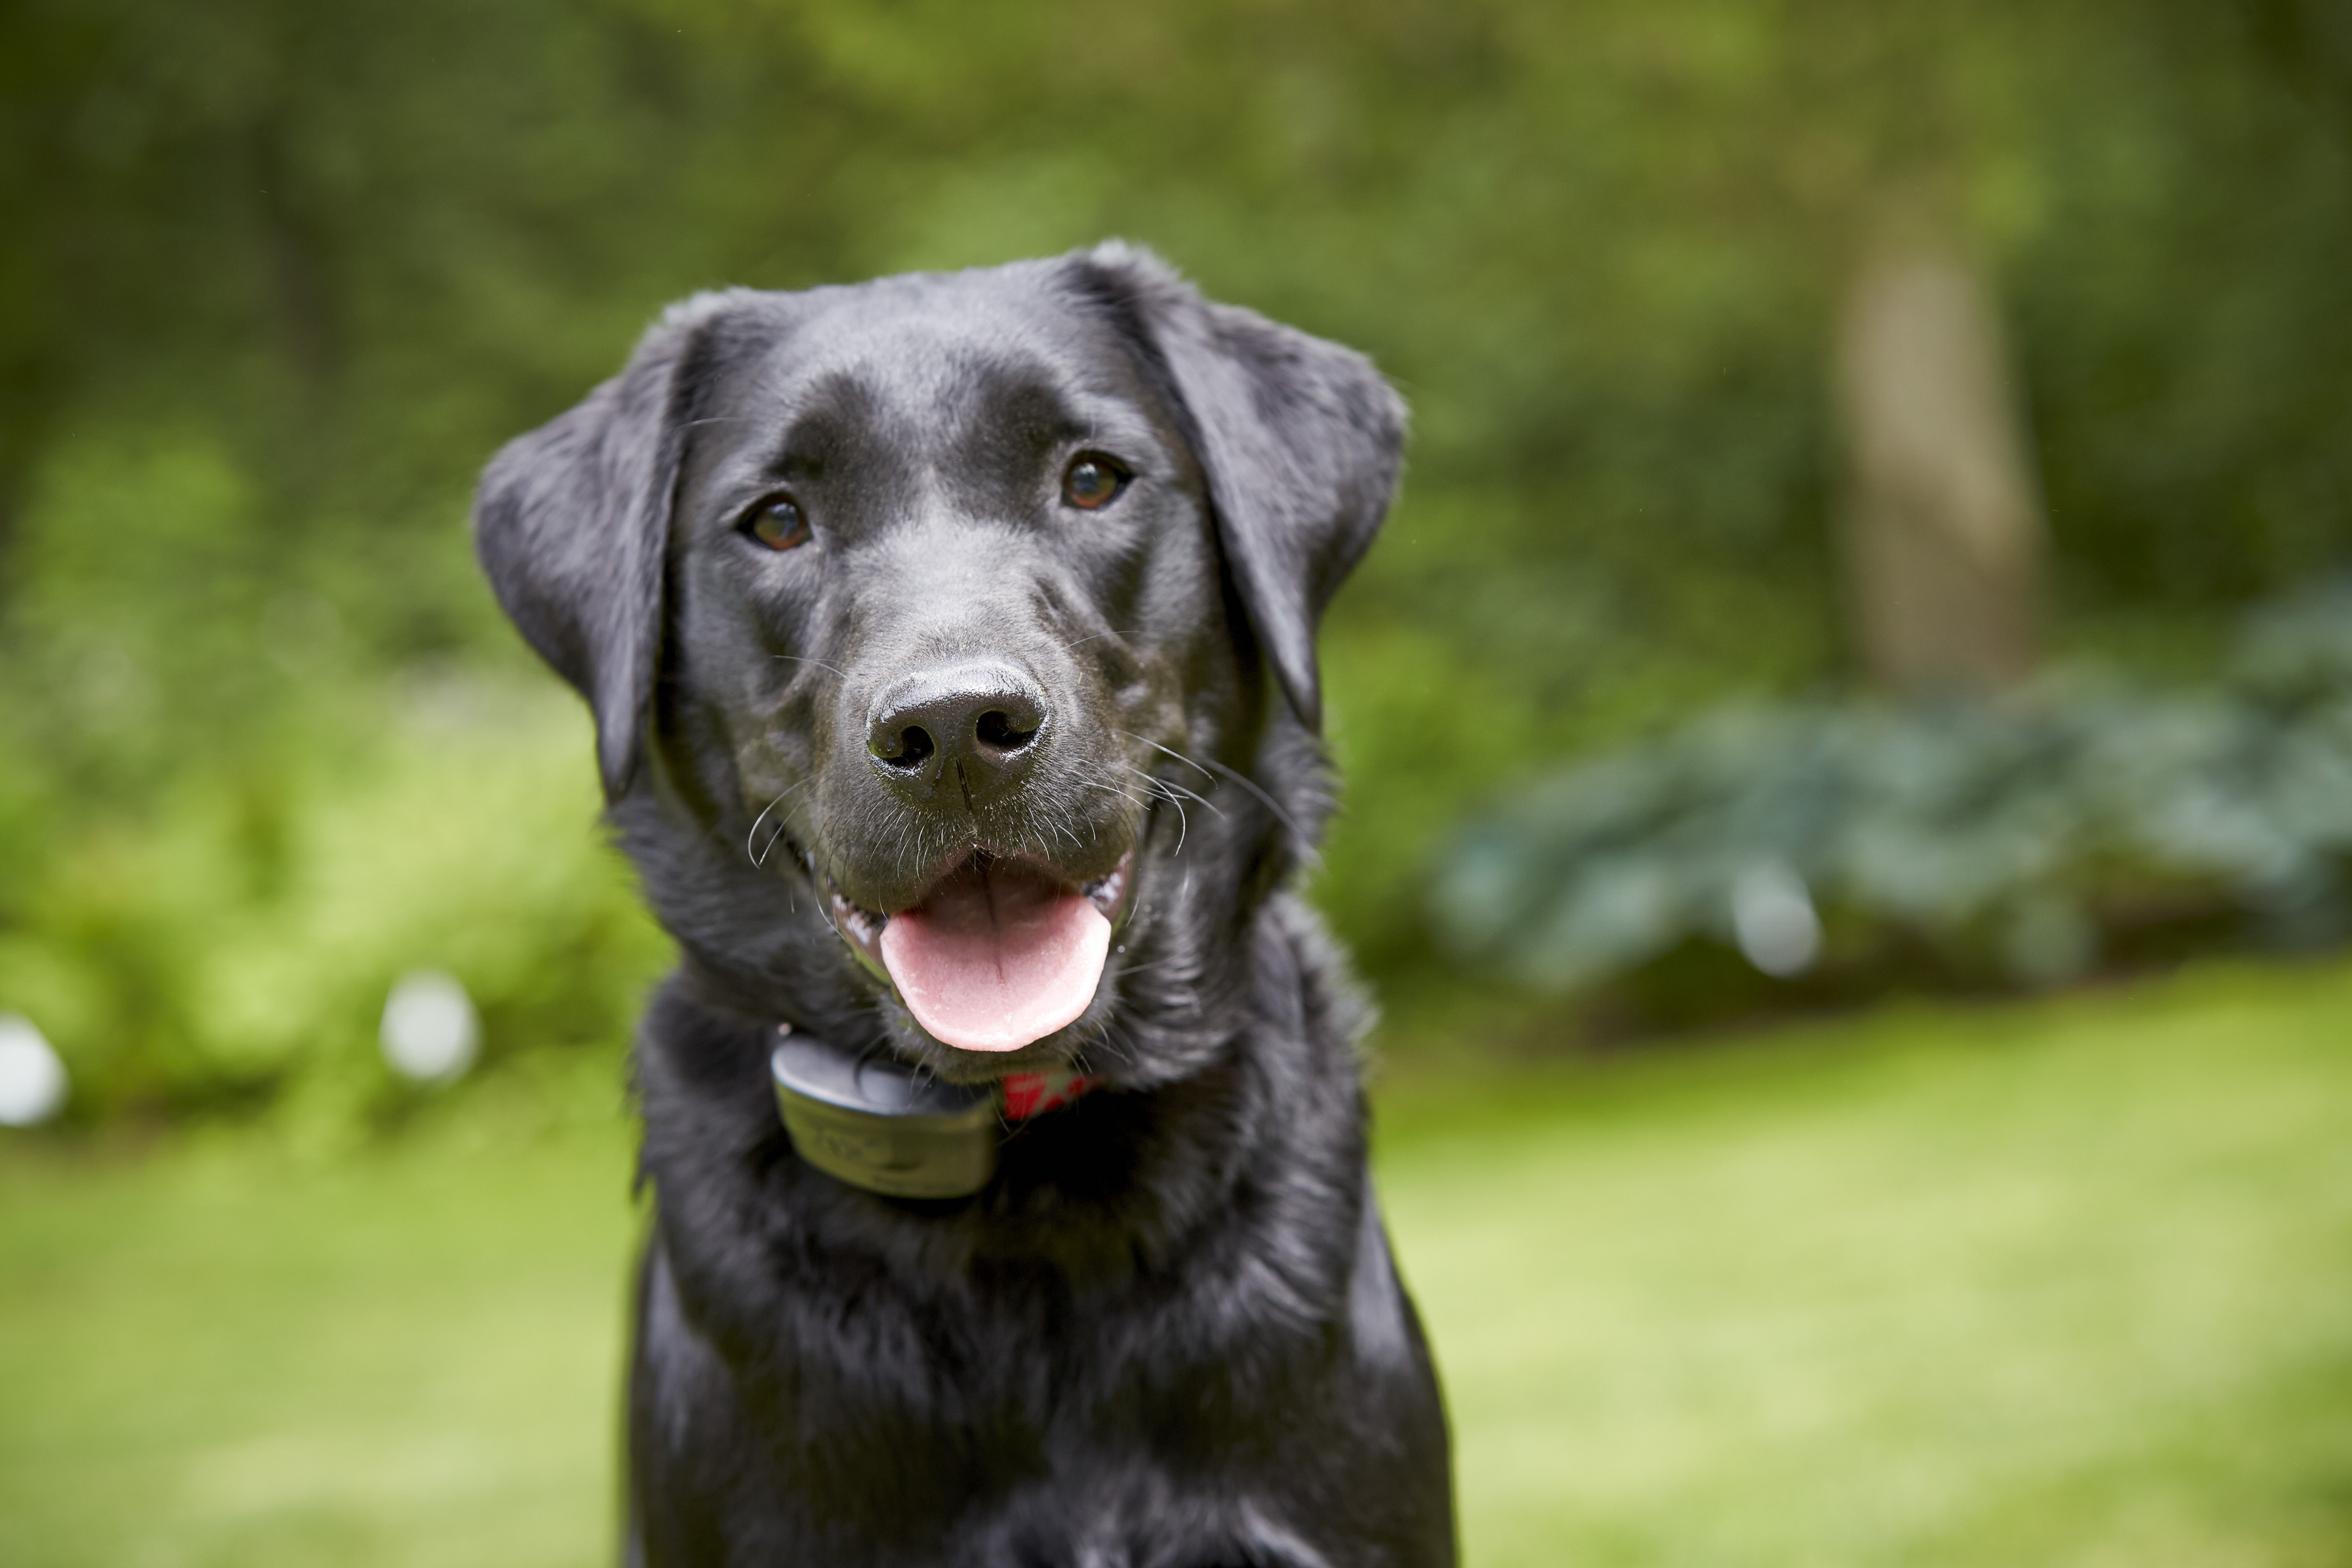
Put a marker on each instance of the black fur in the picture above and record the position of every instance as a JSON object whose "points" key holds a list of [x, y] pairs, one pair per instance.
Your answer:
{"points": [[1169, 1333]]}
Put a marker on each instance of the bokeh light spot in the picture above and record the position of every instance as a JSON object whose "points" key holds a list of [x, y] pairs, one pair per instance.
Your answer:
{"points": [[430, 1031], [33, 1083]]}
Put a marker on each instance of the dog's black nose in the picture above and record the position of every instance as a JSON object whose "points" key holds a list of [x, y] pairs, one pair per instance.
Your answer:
{"points": [[959, 733]]}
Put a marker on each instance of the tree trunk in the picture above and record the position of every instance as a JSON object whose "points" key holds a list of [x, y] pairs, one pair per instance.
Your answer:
{"points": [[1944, 531]]}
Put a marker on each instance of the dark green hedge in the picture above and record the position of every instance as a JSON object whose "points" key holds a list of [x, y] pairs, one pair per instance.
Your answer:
{"points": [[2014, 835]]}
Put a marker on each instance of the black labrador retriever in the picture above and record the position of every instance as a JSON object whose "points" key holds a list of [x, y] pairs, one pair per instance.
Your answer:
{"points": [[951, 645]]}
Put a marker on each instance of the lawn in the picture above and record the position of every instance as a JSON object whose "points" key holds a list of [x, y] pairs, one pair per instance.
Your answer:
{"points": [[2065, 1282]]}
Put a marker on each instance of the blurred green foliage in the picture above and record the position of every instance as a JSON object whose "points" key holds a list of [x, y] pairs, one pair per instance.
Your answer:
{"points": [[2009, 840], [280, 277]]}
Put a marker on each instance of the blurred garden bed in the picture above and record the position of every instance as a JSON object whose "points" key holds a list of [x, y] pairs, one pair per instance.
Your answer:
{"points": [[226, 951], [1788, 858]]}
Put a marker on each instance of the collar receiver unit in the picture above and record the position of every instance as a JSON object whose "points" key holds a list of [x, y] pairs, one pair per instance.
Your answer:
{"points": [[876, 1125], [872, 1122]]}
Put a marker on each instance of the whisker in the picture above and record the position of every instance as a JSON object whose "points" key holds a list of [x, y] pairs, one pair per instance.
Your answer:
{"points": [[796, 659], [1173, 788], [760, 860], [1244, 780], [1272, 805], [1113, 786], [1159, 787], [1172, 961], [1098, 636], [1170, 752]]}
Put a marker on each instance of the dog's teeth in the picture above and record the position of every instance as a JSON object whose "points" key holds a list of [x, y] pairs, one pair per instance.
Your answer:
{"points": [[1107, 893]]}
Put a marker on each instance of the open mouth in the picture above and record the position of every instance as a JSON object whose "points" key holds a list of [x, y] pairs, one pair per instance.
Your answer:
{"points": [[1001, 954]]}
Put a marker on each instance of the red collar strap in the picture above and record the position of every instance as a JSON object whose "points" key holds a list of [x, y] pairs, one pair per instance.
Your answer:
{"points": [[1027, 1094]]}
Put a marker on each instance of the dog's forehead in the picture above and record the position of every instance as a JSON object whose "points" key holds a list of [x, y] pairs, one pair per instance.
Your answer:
{"points": [[934, 357]]}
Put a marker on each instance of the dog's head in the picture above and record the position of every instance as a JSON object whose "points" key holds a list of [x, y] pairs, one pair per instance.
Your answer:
{"points": [[950, 641]]}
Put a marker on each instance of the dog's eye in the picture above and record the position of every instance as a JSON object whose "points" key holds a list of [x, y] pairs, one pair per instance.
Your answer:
{"points": [[777, 523], [1091, 480]]}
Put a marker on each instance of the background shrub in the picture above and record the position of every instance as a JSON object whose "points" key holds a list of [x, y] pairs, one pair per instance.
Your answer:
{"points": [[2010, 837]]}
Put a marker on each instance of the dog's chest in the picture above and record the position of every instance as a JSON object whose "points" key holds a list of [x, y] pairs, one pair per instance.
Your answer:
{"points": [[1020, 1421]]}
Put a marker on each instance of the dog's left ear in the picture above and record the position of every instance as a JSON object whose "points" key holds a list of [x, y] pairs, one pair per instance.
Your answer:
{"points": [[572, 523], [1300, 437]]}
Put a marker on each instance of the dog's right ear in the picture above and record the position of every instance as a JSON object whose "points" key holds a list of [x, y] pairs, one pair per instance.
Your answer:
{"points": [[572, 522]]}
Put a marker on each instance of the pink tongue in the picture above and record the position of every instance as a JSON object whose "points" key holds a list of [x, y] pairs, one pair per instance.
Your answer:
{"points": [[1001, 955]]}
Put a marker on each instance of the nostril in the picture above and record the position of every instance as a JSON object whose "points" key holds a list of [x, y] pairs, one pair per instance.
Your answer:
{"points": [[1000, 730], [979, 724], [909, 748]]}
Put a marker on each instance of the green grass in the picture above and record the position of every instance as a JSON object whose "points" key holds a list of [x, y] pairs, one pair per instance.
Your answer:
{"points": [[2068, 1283]]}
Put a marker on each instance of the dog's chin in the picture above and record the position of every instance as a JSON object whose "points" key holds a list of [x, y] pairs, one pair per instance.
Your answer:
{"points": [[1059, 1050], [996, 966]]}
